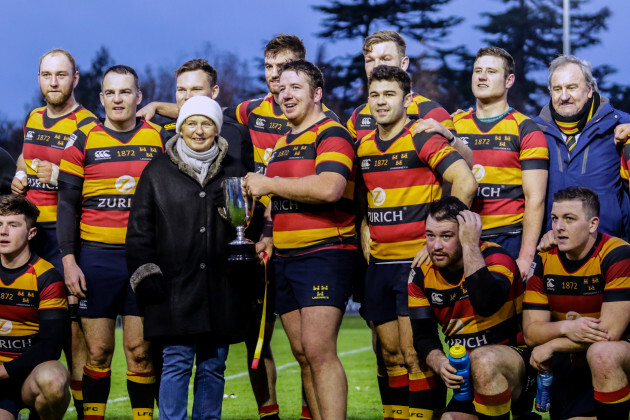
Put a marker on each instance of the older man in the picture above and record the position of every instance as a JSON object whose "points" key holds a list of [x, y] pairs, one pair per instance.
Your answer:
{"points": [[580, 127]]}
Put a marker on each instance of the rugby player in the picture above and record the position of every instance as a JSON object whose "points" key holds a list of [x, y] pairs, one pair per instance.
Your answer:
{"points": [[99, 170], [402, 173], [473, 290], [577, 310], [33, 319], [313, 233], [46, 133]]}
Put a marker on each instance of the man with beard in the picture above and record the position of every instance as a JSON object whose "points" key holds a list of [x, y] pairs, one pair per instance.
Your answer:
{"points": [[580, 127], [46, 133]]}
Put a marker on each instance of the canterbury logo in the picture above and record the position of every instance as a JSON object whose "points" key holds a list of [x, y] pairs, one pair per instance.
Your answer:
{"points": [[365, 164], [366, 121], [102, 154], [260, 122]]}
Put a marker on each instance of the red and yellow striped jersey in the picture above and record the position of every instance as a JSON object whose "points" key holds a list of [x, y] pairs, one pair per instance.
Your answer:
{"points": [[27, 295], [44, 139], [442, 295], [571, 289], [502, 149], [625, 165], [402, 176], [299, 228], [361, 122], [106, 165]]}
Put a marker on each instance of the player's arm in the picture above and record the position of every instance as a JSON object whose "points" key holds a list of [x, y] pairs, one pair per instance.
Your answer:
{"points": [[165, 109], [265, 244], [463, 182], [622, 133], [325, 187], [430, 125], [19, 184], [534, 189]]}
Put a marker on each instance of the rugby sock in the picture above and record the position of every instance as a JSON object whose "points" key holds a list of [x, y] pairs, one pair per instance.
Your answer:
{"points": [[398, 381], [614, 404], [306, 413], [494, 406], [421, 395], [383, 388], [269, 412], [141, 389], [96, 384], [77, 395]]}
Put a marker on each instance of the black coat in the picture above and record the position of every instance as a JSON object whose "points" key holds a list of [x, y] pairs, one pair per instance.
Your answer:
{"points": [[177, 236]]}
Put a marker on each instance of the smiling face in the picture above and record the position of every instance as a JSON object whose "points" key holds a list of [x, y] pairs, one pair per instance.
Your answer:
{"points": [[272, 69], [297, 100], [388, 104], [489, 81], [14, 236], [120, 98], [574, 231], [194, 83], [569, 91], [199, 132], [443, 244], [56, 79]]}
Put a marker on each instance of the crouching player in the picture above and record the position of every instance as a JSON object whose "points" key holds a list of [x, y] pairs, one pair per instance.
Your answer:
{"points": [[33, 319], [474, 290], [577, 310]]}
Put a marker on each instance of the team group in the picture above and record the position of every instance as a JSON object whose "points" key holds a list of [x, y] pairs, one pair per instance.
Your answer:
{"points": [[508, 232]]}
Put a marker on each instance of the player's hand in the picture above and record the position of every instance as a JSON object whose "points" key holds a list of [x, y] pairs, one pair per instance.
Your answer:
{"points": [[469, 227], [256, 185], [264, 245], [430, 126], [460, 111], [622, 134], [148, 111], [541, 357], [524, 264], [74, 277], [47, 172], [585, 330], [421, 257], [547, 242], [19, 185], [449, 375]]}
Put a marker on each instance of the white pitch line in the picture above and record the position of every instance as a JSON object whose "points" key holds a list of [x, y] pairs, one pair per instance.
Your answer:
{"points": [[245, 373]]}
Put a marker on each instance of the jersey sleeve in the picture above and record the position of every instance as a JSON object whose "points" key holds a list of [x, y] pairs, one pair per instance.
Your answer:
{"points": [[52, 291], [351, 124], [534, 152], [535, 294], [419, 306], [331, 114], [335, 151], [430, 109], [625, 165], [72, 166], [434, 150], [616, 269], [240, 112]]}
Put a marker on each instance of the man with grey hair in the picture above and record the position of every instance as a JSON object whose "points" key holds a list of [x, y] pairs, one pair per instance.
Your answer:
{"points": [[580, 127]]}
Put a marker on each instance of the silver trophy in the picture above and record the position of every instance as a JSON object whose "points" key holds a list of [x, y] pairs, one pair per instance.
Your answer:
{"points": [[239, 210]]}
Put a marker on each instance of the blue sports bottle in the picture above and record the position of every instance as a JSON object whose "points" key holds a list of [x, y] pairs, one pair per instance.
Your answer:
{"points": [[458, 357], [543, 393]]}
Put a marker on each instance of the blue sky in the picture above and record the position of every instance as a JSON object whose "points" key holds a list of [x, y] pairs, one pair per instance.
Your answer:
{"points": [[157, 32]]}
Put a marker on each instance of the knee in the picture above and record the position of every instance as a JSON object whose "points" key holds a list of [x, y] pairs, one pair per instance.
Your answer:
{"points": [[100, 355], [411, 359], [139, 355], [53, 380], [602, 359], [483, 365], [392, 355]]}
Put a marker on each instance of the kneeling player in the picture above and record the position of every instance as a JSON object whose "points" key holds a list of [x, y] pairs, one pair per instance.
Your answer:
{"points": [[33, 319], [474, 291], [577, 310]]}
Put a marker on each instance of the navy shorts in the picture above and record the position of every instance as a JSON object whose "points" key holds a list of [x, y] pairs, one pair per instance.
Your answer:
{"points": [[108, 290], [46, 246], [11, 394], [386, 293], [320, 278], [572, 387], [511, 243]]}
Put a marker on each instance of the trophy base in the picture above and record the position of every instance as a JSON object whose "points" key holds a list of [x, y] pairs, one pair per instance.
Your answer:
{"points": [[242, 251]]}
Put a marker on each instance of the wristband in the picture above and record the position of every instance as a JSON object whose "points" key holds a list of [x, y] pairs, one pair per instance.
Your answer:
{"points": [[21, 175], [453, 140]]}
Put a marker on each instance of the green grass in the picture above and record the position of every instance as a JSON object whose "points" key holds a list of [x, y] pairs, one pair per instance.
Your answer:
{"points": [[239, 404]]}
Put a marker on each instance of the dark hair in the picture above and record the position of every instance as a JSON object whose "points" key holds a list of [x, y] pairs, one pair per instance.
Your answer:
{"points": [[385, 36], [282, 42], [508, 61], [121, 69], [59, 51], [199, 64], [12, 204], [315, 76], [589, 199], [447, 208], [394, 74]]}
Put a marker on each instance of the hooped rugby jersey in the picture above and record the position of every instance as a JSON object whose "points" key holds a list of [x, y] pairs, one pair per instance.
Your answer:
{"points": [[106, 166], [625, 165], [502, 150], [266, 123], [572, 289], [28, 294], [44, 139], [402, 176], [299, 228], [443, 296], [361, 122]]}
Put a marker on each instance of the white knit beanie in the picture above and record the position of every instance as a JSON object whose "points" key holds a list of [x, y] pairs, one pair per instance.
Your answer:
{"points": [[200, 105]]}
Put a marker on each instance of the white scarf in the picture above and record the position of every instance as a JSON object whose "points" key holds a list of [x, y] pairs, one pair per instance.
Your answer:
{"points": [[199, 161]]}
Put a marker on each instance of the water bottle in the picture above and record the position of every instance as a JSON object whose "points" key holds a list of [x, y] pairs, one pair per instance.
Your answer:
{"points": [[458, 357], [543, 394]]}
